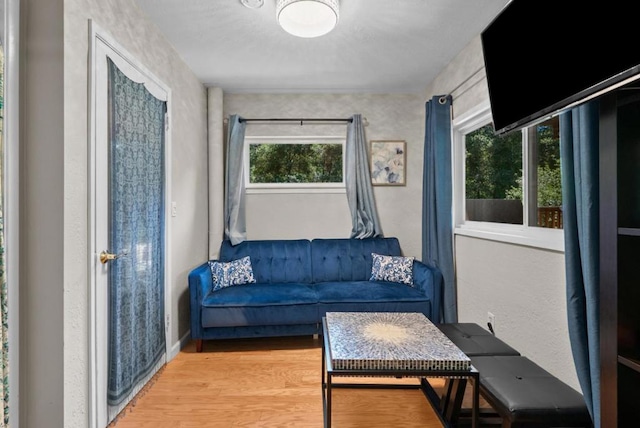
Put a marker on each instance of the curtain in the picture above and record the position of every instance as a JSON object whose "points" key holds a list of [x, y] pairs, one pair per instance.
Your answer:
{"points": [[4, 332], [580, 194], [137, 206], [437, 200], [235, 228], [364, 216], [4, 299]]}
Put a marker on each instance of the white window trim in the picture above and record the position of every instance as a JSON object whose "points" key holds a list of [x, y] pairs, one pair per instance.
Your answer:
{"points": [[538, 237], [261, 188]]}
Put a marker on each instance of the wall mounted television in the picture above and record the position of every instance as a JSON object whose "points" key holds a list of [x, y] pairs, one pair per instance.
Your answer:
{"points": [[544, 56]]}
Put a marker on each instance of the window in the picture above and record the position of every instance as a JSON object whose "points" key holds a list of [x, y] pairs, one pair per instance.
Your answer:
{"points": [[493, 176], [508, 187], [305, 163], [544, 178]]}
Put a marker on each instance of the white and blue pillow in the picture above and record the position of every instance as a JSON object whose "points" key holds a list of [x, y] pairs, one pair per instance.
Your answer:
{"points": [[235, 272], [392, 269]]}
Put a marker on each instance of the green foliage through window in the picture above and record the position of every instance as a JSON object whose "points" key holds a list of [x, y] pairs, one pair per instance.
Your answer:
{"points": [[493, 164], [496, 190], [549, 184], [295, 163], [549, 179]]}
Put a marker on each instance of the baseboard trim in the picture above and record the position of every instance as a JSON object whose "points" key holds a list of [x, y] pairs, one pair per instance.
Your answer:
{"points": [[177, 347]]}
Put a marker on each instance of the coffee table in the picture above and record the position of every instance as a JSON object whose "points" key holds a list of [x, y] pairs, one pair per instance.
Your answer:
{"points": [[392, 345]]}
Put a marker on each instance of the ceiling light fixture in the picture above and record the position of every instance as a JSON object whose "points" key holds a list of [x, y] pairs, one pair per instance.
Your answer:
{"points": [[307, 18]]}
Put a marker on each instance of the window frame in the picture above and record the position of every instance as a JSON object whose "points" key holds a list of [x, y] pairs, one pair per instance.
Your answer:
{"points": [[524, 234], [293, 187]]}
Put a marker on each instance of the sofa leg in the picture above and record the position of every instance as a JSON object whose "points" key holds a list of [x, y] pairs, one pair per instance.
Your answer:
{"points": [[198, 345]]}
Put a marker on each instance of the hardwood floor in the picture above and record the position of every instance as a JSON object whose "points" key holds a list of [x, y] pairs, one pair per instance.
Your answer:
{"points": [[272, 382]]}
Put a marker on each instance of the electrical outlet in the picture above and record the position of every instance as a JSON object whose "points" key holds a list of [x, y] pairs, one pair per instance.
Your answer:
{"points": [[491, 319], [174, 209]]}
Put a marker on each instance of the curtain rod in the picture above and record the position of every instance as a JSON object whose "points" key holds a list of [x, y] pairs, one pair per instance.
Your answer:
{"points": [[301, 120], [443, 99]]}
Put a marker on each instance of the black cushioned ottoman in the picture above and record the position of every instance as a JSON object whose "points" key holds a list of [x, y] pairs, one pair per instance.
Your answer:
{"points": [[526, 395], [474, 340]]}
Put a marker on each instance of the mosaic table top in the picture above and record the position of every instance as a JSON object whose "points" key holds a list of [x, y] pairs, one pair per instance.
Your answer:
{"points": [[390, 341]]}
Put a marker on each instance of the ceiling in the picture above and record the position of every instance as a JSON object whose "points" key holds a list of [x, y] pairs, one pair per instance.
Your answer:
{"points": [[381, 46]]}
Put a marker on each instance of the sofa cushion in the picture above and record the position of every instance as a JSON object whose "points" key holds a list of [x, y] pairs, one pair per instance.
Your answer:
{"points": [[235, 272], [262, 294], [260, 304], [348, 259], [367, 291], [392, 268], [273, 261], [370, 296]]}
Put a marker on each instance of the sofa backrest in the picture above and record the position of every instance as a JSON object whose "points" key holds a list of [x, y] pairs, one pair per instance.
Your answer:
{"points": [[348, 259], [273, 261]]}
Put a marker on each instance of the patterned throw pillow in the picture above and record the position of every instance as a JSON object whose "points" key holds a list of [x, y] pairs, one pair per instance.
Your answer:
{"points": [[392, 269], [235, 272]]}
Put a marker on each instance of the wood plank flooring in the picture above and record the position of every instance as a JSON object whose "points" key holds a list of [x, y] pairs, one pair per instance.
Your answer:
{"points": [[271, 382]]}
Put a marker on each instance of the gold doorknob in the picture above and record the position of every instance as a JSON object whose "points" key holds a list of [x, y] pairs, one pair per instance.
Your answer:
{"points": [[107, 257]]}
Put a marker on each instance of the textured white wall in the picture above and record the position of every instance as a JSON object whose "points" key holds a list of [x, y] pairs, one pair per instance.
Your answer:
{"points": [[464, 78], [215, 134], [390, 117], [523, 287]]}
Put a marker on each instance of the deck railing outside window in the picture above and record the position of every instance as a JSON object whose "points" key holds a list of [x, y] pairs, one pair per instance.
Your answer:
{"points": [[550, 217]]}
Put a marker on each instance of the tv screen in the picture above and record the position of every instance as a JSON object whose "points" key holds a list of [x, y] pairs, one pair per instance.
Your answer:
{"points": [[543, 56]]}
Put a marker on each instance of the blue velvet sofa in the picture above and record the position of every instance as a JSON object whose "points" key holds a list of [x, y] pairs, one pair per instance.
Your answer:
{"points": [[298, 281]]}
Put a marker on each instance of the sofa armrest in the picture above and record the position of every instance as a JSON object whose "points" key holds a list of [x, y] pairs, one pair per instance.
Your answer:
{"points": [[200, 284], [429, 280]]}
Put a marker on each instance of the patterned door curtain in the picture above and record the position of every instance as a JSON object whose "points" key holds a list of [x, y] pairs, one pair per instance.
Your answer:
{"points": [[136, 229]]}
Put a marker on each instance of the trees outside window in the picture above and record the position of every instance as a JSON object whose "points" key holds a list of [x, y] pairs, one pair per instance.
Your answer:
{"points": [[281, 163], [295, 163], [514, 178]]}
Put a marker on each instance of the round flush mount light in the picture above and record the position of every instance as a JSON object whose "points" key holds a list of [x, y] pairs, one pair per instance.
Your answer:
{"points": [[252, 4], [307, 18]]}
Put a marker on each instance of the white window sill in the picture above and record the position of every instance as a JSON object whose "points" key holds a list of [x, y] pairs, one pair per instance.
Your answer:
{"points": [[302, 189], [537, 237]]}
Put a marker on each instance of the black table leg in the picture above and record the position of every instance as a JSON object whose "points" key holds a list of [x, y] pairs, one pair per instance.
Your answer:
{"points": [[475, 423], [456, 391], [326, 392]]}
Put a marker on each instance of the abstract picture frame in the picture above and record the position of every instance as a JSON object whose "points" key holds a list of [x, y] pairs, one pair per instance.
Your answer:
{"points": [[388, 162]]}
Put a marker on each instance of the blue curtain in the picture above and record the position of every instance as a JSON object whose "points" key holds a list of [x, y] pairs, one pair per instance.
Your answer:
{"points": [[362, 204], [580, 195], [137, 206], [235, 228], [437, 200]]}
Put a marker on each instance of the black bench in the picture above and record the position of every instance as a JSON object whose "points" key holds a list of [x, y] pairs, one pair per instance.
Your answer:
{"points": [[475, 341], [522, 393], [526, 395]]}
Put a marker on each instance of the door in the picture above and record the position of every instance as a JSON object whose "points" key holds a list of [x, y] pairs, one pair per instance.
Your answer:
{"points": [[128, 186]]}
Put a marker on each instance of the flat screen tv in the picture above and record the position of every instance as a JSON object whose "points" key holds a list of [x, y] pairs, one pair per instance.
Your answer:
{"points": [[544, 56]]}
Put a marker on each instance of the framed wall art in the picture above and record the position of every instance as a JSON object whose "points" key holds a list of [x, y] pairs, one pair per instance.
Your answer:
{"points": [[388, 163]]}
